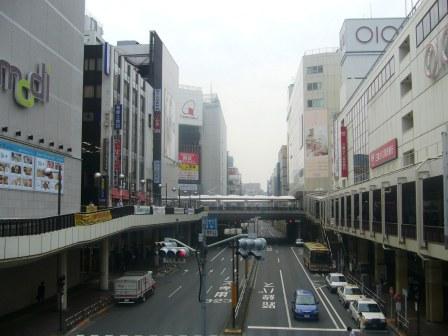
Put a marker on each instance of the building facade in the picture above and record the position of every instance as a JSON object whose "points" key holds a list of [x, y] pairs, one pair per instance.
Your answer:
{"points": [[313, 102], [117, 128], [283, 171], [389, 197], [214, 148], [41, 101], [252, 189]]}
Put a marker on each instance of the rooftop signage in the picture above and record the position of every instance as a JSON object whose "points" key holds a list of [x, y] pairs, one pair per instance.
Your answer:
{"points": [[26, 89]]}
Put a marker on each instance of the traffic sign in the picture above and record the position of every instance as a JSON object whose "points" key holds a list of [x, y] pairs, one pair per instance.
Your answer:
{"points": [[210, 225]]}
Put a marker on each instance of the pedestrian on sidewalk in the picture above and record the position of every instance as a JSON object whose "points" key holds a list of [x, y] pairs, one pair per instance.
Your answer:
{"points": [[41, 292]]}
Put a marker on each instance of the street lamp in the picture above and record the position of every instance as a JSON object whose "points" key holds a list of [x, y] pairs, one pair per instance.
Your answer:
{"points": [[166, 193], [121, 178], [178, 189], [143, 191]]}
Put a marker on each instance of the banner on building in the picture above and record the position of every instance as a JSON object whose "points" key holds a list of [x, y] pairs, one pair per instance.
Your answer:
{"points": [[316, 144], [344, 152], [118, 116], [92, 218], [383, 154], [157, 105], [188, 166], [23, 168], [157, 122], [116, 146], [156, 170]]}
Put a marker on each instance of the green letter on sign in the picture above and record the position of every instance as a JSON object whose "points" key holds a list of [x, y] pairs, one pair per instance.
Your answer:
{"points": [[21, 86]]}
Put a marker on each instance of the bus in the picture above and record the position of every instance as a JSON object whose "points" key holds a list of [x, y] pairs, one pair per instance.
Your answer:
{"points": [[317, 257]]}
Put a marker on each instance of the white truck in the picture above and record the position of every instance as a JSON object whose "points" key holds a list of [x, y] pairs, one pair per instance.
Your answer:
{"points": [[134, 286]]}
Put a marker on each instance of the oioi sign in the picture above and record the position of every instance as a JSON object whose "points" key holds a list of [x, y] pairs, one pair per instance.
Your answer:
{"points": [[26, 89], [436, 55]]}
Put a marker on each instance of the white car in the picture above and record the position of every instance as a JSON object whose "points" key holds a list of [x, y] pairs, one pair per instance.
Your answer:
{"points": [[299, 242], [367, 314], [335, 280], [349, 293]]}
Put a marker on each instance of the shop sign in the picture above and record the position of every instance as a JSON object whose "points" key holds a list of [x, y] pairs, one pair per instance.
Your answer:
{"points": [[157, 106], [118, 116], [344, 152], [26, 90], [383, 154], [157, 177], [436, 55], [366, 34]]}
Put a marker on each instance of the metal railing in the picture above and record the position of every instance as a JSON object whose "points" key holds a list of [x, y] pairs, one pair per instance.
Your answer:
{"points": [[366, 290], [376, 226], [73, 320], [365, 225], [403, 322], [391, 229], [409, 231], [433, 234]]}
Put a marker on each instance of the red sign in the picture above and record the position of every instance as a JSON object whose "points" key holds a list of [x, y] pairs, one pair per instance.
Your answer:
{"points": [[383, 154], [118, 193], [344, 152], [157, 122], [190, 158]]}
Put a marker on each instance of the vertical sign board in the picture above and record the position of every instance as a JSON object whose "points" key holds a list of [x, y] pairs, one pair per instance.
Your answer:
{"points": [[106, 61], [344, 152], [118, 116], [156, 170], [117, 159], [210, 225], [445, 184]]}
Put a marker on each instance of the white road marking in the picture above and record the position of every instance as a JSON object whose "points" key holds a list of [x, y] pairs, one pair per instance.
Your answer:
{"points": [[286, 301], [216, 256], [315, 289], [292, 328], [222, 259], [278, 260], [222, 272], [332, 307], [228, 279], [175, 291], [211, 271], [208, 290]]}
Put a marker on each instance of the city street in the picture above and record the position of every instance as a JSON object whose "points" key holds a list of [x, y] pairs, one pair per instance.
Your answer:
{"points": [[174, 308], [278, 276]]}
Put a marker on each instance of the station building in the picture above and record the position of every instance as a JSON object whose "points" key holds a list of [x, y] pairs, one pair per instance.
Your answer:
{"points": [[388, 202]]}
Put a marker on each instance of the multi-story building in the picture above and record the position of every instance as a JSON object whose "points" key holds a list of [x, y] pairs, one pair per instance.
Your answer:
{"points": [[190, 124], [313, 101], [283, 172], [158, 67], [214, 148], [252, 189], [234, 185], [390, 201], [41, 102], [117, 131]]}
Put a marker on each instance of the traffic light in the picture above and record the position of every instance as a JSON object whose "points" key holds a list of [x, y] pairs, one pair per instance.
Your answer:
{"points": [[61, 284], [251, 247], [182, 252], [173, 253]]}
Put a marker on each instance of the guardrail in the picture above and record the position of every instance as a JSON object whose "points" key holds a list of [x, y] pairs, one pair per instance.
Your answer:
{"points": [[33, 226], [367, 291], [71, 321]]}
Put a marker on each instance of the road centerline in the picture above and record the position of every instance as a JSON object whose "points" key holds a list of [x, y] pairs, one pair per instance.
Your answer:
{"points": [[223, 270], [286, 300], [216, 256]]}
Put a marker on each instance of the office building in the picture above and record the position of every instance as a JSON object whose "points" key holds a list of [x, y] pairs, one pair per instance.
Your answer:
{"points": [[283, 170]]}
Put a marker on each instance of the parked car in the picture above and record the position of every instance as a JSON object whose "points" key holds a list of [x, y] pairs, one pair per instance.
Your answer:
{"points": [[304, 305], [335, 280], [367, 314], [349, 293], [299, 242], [134, 286]]}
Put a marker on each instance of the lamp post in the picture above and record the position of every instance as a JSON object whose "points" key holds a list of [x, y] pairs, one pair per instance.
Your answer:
{"points": [[121, 178], [166, 193], [143, 191]]}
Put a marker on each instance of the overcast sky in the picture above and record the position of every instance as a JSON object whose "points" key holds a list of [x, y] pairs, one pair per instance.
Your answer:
{"points": [[246, 51]]}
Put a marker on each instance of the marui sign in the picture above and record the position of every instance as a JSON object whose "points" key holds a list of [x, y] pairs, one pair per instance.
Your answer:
{"points": [[383, 154]]}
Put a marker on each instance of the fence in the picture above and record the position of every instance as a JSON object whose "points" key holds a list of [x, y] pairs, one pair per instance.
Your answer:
{"points": [[73, 320]]}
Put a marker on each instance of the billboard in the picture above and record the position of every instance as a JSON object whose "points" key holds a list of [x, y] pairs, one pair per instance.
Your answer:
{"points": [[383, 154], [316, 144], [170, 126], [23, 168], [188, 166], [190, 106]]}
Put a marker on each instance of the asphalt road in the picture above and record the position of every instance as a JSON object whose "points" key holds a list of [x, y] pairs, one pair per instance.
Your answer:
{"points": [[278, 276], [174, 308]]}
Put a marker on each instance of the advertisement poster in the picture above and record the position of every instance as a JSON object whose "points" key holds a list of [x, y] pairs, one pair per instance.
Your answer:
{"points": [[190, 106], [23, 168], [170, 127], [188, 166], [344, 152], [316, 144], [116, 148]]}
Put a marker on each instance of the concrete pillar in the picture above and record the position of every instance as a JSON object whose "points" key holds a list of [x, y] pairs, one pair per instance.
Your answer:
{"points": [[104, 271], [371, 209], [361, 215], [419, 207], [401, 271], [379, 263], [434, 290], [400, 208], [63, 272], [352, 211], [384, 185]]}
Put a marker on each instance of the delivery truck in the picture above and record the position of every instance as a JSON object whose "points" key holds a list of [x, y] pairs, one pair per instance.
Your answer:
{"points": [[134, 287]]}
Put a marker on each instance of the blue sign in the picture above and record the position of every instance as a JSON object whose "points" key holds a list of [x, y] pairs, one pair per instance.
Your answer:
{"points": [[118, 113], [106, 59], [210, 225]]}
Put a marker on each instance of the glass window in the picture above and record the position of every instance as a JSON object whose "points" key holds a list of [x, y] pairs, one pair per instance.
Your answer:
{"points": [[314, 69], [426, 25], [442, 8], [86, 64], [89, 91], [305, 300], [99, 64], [434, 12], [92, 62], [98, 91]]}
